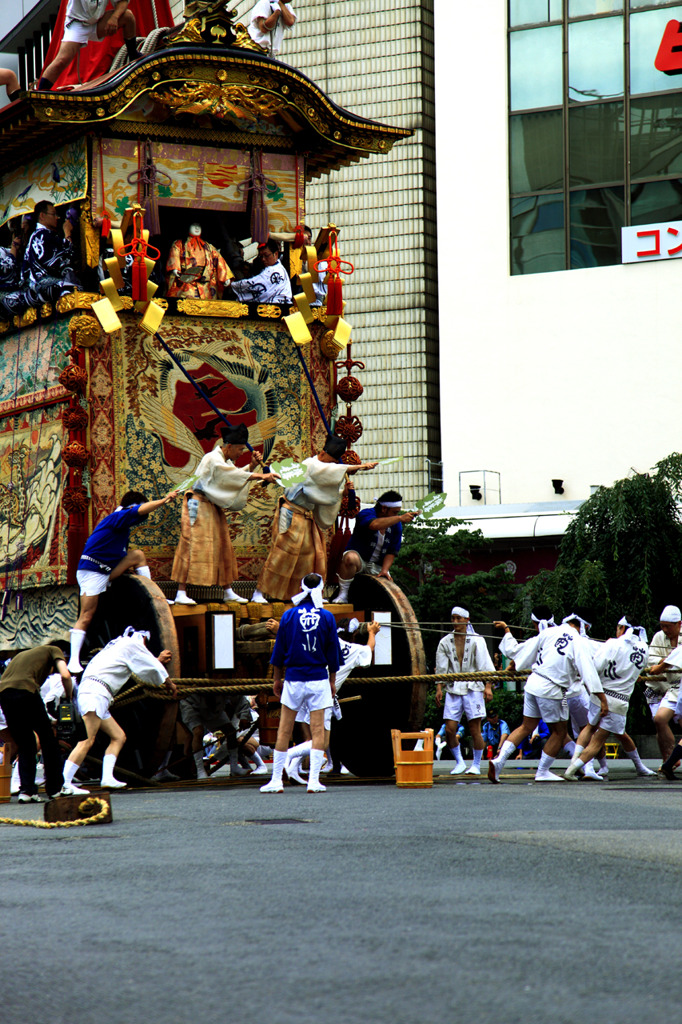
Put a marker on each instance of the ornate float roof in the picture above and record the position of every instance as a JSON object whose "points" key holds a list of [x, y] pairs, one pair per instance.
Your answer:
{"points": [[210, 84]]}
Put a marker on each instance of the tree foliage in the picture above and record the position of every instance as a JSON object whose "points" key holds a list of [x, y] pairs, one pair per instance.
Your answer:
{"points": [[426, 569], [621, 554]]}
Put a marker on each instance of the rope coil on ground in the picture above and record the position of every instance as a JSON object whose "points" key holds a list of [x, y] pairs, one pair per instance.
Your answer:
{"points": [[86, 805]]}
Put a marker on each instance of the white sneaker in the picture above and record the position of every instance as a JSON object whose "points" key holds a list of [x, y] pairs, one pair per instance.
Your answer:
{"points": [[29, 798], [459, 768], [112, 783], [571, 773], [182, 598], [261, 770], [316, 787], [40, 775], [273, 787], [548, 776], [644, 771], [474, 770], [68, 789], [493, 771], [292, 773]]}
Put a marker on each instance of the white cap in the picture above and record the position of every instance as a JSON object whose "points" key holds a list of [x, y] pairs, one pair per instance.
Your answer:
{"points": [[671, 613]]}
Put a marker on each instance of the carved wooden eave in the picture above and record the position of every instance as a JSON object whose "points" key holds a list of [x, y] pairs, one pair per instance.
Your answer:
{"points": [[308, 121]]}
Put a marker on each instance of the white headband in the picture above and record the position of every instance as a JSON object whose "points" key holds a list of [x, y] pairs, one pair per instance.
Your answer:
{"points": [[389, 504], [543, 624], [671, 613], [584, 624], [314, 592], [639, 630], [458, 610]]}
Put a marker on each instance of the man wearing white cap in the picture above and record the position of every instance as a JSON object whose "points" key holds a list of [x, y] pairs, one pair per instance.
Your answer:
{"points": [[307, 649], [463, 651], [667, 690], [619, 663], [561, 662]]}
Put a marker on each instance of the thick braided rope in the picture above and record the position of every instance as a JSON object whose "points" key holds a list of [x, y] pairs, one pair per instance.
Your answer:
{"points": [[86, 805], [185, 687]]}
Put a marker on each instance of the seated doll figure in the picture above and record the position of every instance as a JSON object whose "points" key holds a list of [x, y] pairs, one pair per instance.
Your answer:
{"points": [[195, 268]]}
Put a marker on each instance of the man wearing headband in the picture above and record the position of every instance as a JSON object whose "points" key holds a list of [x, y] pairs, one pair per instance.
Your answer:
{"points": [[542, 619], [105, 675], [205, 556], [305, 511], [619, 663], [353, 655], [375, 542], [308, 655], [106, 556], [463, 651], [662, 697], [561, 660]]}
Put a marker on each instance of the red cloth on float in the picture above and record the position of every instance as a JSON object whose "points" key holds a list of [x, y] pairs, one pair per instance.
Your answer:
{"points": [[96, 58]]}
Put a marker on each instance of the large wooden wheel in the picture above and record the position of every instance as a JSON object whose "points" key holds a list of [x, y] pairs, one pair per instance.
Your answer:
{"points": [[133, 600], [362, 739]]}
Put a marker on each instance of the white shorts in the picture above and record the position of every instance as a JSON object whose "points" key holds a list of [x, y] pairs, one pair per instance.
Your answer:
{"points": [[669, 703], [307, 694], [578, 709], [80, 33], [470, 704], [611, 721], [653, 708], [545, 708], [92, 583], [304, 716], [93, 696]]}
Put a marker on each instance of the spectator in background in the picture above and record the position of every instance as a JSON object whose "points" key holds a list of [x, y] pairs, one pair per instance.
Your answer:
{"points": [[48, 265], [494, 731], [531, 746]]}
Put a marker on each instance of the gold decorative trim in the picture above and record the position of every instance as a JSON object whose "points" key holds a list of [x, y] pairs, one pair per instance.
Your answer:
{"points": [[269, 311], [206, 307]]}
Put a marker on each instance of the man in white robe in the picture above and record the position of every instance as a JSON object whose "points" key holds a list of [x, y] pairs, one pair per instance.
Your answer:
{"points": [[205, 556], [663, 643], [464, 651], [268, 23], [272, 285]]}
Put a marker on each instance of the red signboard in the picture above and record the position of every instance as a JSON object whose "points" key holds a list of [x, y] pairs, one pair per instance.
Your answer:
{"points": [[669, 56]]}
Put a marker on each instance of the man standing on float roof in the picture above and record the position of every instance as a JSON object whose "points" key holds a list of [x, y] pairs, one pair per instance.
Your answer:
{"points": [[86, 22], [204, 556]]}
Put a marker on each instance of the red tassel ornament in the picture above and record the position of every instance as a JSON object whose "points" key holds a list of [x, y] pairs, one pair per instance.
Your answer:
{"points": [[334, 266]]}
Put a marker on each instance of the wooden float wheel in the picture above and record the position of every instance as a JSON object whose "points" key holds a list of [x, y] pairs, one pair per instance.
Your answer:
{"points": [[133, 600], [362, 739]]}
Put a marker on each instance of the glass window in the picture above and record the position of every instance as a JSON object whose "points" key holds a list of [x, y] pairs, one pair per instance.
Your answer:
{"points": [[576, 8], [533, 12], [597, 215], [535, 67], [657, 201], [536, 146], [596, 143], [646, 35], [595, 59], [634, 4], [537, 228], [656, 136]]}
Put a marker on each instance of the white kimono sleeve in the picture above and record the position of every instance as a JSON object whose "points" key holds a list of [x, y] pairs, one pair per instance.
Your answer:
{"points": [[323, 486], [582, 659], [142, 663], [527, 653], [223, 483], [482, 659], [509, 647]]}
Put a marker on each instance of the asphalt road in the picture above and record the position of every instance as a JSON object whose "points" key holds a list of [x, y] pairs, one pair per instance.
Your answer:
{"points": [[512, 903]]}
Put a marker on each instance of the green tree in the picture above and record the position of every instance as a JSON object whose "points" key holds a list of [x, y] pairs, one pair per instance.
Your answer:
{"points": [[621, 554]]}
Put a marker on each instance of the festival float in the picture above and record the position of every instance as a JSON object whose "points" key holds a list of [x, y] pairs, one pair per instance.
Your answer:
{"points": [[119, 385]]}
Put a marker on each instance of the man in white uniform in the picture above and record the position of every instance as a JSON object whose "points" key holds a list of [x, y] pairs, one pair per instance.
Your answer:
{"points": [[87, 21], [464, 651], [619, 663], [269, 20], [104, 676], [353, 656], [272, 285], [663, 643], [561, 662]]}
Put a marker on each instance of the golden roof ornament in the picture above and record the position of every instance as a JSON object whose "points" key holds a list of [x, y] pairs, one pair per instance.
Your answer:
{"points": [[208, 23]]}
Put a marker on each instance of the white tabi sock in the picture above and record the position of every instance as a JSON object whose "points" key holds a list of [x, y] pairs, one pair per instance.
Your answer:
{"points": [[478, 754], [570, 746], [278, 760], [344, 587], [199, 762], [77, 638], [316, 759], [300, 751], [546, 762], [578, 750], [578, 762], [143, 570], [108, 764], [505, 752], [256, 758], [634, 756], [457, 754], [70, 769], [603, 762]]}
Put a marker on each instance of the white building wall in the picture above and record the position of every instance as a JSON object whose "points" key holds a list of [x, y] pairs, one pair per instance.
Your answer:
{"points": [[570, 374]]}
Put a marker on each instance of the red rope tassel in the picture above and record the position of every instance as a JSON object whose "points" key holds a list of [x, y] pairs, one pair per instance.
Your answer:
{"points": [[334, 297]]}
